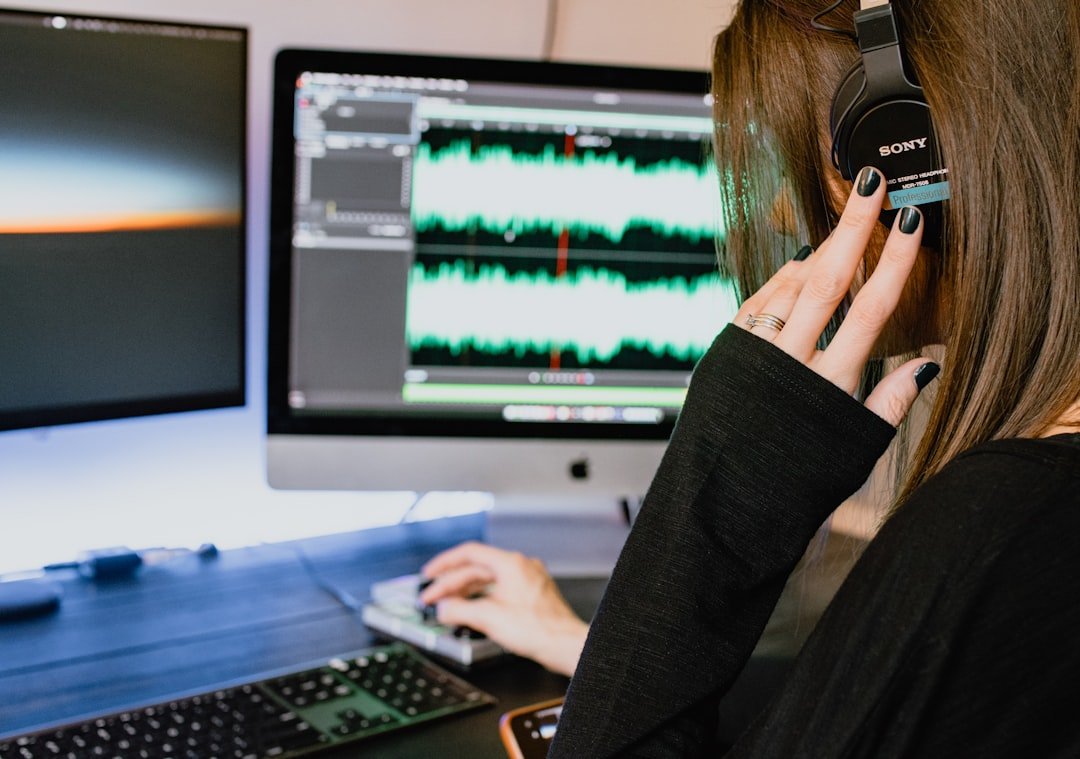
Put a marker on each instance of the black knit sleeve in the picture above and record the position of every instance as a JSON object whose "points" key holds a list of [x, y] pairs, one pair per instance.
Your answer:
{"points": [[763, 451]]}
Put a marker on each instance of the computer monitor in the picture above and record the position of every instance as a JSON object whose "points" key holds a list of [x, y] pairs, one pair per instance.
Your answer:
{"points": [[122, 232], [485, 275]]}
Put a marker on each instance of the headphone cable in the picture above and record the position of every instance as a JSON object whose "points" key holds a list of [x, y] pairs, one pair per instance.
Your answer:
{"points": [[816, 23]]}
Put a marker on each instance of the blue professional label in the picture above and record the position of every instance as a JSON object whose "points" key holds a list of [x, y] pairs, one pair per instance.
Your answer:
{"points": [[920, 195]]}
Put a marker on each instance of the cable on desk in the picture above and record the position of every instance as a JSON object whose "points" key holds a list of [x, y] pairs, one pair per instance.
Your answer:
{"points": [[412, 507], [339, 594], [119, 562]]}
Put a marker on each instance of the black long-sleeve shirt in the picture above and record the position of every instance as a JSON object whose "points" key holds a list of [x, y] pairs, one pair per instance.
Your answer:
{"points": [[953, 635]]}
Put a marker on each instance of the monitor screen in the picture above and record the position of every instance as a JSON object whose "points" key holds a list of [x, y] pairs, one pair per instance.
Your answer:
{"points": [[122, 238], [471, 258]]}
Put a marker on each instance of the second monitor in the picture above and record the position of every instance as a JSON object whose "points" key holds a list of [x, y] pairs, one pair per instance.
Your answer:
{"points": [[486, 275]]}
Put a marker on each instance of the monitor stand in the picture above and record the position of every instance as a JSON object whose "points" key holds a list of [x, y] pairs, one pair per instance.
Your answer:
{"points": [[579, 537]]}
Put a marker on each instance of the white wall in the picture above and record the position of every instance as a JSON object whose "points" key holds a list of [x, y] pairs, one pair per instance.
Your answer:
{"points": [[191, 478]]}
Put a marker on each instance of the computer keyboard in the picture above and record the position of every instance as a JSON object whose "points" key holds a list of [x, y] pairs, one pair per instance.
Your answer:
{"points": [[395, 613], [288, 714]]}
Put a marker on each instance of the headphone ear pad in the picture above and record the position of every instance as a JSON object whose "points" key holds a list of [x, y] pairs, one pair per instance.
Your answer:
{"points": [[841, 114]]}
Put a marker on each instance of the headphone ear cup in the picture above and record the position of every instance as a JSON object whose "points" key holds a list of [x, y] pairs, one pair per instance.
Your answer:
{"points": [[842, 115], [897, 137], [879, 117]]}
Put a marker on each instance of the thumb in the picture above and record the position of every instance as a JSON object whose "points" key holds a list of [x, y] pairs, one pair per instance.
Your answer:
{"points": [[894, 396]]}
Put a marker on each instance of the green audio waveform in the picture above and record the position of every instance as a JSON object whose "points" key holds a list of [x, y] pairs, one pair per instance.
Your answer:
{"points": [[593, 313], [495, 190]]}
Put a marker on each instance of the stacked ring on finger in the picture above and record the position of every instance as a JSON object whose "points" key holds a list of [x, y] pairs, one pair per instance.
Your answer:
{"points": [[765, 320]]}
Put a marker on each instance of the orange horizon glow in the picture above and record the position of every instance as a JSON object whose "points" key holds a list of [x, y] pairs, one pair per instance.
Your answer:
{"points": [[121, 222]]}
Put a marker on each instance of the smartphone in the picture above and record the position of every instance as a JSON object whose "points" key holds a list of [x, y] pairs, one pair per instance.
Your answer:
{"points": [[527, 732]]}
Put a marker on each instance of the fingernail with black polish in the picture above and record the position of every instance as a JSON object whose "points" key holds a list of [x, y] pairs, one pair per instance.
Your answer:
{"points": [[803, 254], [909, 219], [869, 179], [925, 373]]}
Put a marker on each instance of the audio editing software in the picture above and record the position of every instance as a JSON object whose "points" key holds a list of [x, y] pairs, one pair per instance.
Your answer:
{"points": [[539, 253]]}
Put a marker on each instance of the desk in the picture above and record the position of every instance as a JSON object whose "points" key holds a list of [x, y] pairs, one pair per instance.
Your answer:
{"points": [[191, 624]]}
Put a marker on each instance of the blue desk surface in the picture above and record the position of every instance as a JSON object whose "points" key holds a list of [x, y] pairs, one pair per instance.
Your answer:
{"points": [[191, 624]]}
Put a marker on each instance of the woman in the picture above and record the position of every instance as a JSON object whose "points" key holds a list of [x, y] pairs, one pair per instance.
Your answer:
{"points": [[954, 633]]}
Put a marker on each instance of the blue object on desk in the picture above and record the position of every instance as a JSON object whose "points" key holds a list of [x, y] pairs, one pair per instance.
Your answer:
{"points": [[110, 564], [25, 599]]}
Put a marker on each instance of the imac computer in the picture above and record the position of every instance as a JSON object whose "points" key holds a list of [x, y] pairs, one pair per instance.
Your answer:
{"points": [[486, 275], [122, 237]]}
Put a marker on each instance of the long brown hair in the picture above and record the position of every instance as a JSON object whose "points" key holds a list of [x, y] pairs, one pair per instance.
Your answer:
{"points": [[1002, 79]]}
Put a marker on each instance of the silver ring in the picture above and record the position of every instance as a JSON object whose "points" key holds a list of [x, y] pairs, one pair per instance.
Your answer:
{"points": [[765, 320]]}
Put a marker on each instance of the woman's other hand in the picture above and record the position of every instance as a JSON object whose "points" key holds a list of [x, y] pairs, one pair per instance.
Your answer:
{"points": [[804, 295], [508, 597]]}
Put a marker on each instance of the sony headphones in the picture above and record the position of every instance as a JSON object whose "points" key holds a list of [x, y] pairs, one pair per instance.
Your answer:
{"points": [[880, 118]]}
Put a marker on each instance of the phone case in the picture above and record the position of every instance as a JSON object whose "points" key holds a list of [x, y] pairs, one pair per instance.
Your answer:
{"points": [[527, 732]]}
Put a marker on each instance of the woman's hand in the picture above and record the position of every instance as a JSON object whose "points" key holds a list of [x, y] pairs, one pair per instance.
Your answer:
{"points": [[510, 598], [803, 296]]}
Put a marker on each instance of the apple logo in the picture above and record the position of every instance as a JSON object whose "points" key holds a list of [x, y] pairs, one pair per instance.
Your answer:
{"points": [[579, 470]]}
